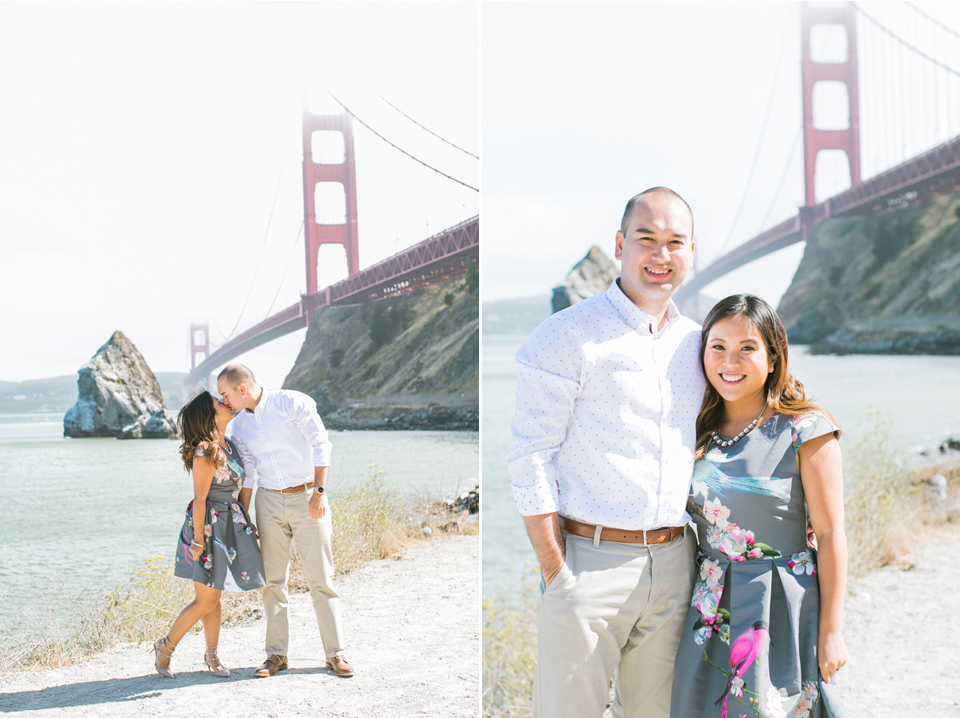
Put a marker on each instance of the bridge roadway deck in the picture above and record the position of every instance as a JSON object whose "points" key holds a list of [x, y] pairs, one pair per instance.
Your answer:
{"points": [[434, 259], [934, 172]]}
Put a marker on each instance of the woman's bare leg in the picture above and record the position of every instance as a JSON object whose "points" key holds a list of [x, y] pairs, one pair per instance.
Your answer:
{"points": [[207, 599]]}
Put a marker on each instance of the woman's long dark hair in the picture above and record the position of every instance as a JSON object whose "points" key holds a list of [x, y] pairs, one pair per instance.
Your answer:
{"points": [[198, 428], [785, 394]]}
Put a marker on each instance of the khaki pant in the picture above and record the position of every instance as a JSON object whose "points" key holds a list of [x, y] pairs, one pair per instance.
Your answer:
{"points": [[280, 517], [614, 607]]}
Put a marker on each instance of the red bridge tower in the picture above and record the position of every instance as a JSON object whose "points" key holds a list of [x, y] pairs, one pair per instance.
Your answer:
{"points": [[339, 174], [815, 140]]}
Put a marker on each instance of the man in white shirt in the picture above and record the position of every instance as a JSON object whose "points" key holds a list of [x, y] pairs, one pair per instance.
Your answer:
{"points": [[286, 453], [601, 461]]}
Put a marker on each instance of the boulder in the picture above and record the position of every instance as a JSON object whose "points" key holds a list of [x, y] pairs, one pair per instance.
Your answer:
{"points": [[591, 275], [158, 425], [118, 391]]}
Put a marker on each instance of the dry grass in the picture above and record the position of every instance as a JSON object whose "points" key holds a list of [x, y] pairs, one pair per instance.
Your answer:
{"points": [[509, 654], [371, 521], [888, 506]]}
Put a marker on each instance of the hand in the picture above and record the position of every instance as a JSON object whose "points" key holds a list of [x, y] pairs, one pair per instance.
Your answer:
{"points": [[550, 573], [256, 534], [195, 550], [831, 654], [318, 505]]}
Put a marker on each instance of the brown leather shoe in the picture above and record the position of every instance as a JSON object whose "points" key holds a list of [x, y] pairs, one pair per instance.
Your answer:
{"points": [[270, 666], [338, 664]]}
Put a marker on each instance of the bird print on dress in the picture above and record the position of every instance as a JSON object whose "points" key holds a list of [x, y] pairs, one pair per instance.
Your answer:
{"points": [[743, 653]]}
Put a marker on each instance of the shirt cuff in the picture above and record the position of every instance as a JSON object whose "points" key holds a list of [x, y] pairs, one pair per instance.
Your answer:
{"points": [[321, 455], [541, 498]]}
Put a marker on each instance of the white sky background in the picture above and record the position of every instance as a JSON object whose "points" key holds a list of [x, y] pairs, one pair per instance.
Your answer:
{"points": [[141, 146], [585, 104]]}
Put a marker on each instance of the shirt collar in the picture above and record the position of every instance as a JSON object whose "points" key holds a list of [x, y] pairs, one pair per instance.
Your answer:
{"points": [[263, 399], [636, 318]]}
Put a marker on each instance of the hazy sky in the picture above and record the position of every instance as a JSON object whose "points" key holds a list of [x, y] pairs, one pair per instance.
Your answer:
{"points": [[585, 104], [142, 146]]}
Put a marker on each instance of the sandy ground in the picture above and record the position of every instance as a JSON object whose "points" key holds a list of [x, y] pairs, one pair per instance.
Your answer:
{"points": [[898, 626], [413, 632]]}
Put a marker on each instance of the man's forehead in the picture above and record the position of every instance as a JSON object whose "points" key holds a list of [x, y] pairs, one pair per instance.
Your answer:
{"points": [[661, 212]]}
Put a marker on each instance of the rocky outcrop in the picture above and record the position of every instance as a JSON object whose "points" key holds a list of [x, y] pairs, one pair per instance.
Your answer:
{"points": [[158, 425], [886, 283], [379, 365], [118, 393], [591, 275]]}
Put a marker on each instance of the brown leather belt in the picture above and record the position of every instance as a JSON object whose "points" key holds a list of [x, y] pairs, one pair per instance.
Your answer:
{"points": [[291, 489], [654, 536]]}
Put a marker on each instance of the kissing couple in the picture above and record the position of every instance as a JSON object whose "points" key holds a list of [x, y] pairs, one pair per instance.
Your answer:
{"points": [[279, 445]]}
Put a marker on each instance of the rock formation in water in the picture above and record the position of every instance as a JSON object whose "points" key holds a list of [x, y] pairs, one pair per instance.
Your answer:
{"points": [[119, 396], [591, 275], [405, 362], [886, 283]]}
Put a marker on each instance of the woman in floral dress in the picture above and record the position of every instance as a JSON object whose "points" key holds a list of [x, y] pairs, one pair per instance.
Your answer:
{"points": [[218, 548], [762, 637]]}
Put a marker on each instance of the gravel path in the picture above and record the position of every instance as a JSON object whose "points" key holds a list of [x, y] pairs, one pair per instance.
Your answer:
{"points": [[898, 626], [413, 632]]}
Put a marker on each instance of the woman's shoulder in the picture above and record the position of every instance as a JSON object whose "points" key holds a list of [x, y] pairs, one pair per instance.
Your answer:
{"points": [[809, 425]]}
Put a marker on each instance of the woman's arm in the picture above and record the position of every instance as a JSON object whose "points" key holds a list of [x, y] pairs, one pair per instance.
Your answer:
{"points": [[821, 470], [203, 470]]}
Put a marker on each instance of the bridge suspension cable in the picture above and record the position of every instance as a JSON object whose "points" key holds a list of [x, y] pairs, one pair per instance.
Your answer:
{"points": [[259, 258], [783, 178], [763, 132], [934, 20], [286, 269], [396, 147], [903, 42], [466, 152]]}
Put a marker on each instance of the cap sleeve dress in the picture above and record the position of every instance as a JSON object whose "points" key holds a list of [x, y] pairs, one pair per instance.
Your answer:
{"points": [[231, 558], [750, 643]]}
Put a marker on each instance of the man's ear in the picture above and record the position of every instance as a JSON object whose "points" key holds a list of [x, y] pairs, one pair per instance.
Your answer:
{"points": [[618, 248], [242, 388]]}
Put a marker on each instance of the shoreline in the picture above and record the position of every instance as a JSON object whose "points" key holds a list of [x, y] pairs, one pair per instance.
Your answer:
{"points": [[399, 616]]}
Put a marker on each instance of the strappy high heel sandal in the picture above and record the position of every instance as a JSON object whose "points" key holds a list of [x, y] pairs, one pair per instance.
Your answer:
{"points": [[213, 663], [158, 649]]}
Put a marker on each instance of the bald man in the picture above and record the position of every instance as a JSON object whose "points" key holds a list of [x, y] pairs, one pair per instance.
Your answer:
{"points": [[286, 453], [601, 462]]}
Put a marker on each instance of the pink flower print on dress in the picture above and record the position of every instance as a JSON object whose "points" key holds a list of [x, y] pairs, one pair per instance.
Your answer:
{"points": [[716, 513], [801, 563], [710, 572]]}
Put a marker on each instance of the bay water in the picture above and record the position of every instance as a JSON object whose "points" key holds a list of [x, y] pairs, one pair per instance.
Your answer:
{"points": [[79, 515], [917, 397]]}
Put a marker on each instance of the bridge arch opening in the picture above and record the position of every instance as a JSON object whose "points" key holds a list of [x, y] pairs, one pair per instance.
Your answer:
{"points": [[831, 105], [327, 147], [828, 44], [331, 265], [832, 174], [330, 203]]}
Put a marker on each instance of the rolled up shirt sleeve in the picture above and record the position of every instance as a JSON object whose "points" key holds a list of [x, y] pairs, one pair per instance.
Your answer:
{"points": [[303, 410], [549, 380]]}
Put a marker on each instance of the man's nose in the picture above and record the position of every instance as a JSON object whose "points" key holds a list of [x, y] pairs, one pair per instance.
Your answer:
{"points": [[661, 253]]}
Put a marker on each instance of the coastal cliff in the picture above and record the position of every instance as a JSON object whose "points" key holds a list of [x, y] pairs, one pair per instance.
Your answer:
{"points": [[881, 284], [405, 362]]}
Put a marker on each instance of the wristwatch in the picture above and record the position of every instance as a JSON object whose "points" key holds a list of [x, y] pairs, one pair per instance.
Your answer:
{"points": [[319, 489]]}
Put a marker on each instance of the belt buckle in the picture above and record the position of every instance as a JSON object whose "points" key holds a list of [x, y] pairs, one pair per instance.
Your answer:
{"points": [[644, 531]]}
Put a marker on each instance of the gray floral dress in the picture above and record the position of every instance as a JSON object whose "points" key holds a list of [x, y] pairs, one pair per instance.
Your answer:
{"points": [[750, 643], [231, 558]]}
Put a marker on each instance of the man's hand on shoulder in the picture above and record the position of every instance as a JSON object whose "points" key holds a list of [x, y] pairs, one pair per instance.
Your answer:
{"points": [[318, 505]]}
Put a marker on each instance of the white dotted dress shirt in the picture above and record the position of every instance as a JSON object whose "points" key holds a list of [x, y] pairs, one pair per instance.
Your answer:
{"points": [[281, 440], [605, 424]]}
